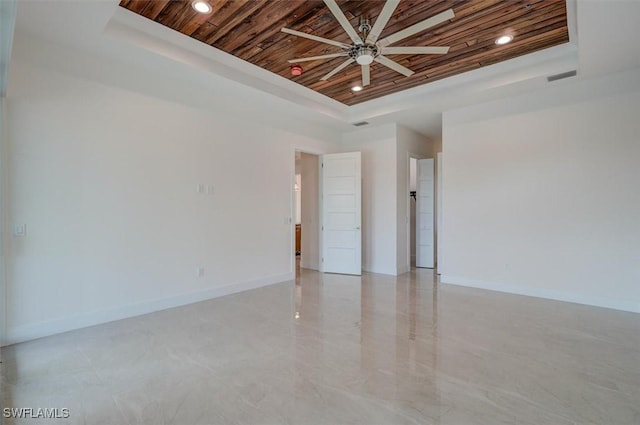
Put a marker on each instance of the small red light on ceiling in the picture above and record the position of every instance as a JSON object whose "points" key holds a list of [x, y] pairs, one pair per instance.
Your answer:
{"points": [[296, 70]]}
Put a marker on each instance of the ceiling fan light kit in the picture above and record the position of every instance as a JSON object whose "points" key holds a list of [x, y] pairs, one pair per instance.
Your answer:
{"points": [[366, 46], [364, 55]]}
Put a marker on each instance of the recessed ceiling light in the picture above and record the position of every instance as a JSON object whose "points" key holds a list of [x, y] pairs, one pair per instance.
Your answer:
{"points": [[356, 88], [504, 39], [201, 6]]}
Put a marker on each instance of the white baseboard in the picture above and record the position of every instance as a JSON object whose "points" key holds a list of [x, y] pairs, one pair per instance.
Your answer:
{"points": [[622, 305], [381, 270], [309, 266], [403, 270], [52, 327]]}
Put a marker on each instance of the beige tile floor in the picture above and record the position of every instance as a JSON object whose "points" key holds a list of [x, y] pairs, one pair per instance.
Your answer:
{"points": [[332, 349]]}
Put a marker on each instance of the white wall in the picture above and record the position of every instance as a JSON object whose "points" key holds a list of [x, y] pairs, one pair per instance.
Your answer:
{"points": [[409, 143], [298, 195], [436, 148], [542, 193], [106, 180], [379, 238], [3, 227], [310, 244], [385, 191]]}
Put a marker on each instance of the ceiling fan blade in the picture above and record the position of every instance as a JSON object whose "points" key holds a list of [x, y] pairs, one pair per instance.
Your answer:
{"points": [[415, 50], [314, 58], [383, 60], [337, 69], [344, 22], [416, 28], [315, 38], [381, 20], [366, 75]]}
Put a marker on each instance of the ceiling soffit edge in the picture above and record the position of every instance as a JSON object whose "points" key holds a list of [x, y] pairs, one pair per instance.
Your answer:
{"points": [[146, 34], [502, 75]]}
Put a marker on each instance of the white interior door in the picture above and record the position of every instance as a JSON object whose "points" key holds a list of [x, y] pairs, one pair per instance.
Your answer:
{"points": [[424, 213], [342, 213]]}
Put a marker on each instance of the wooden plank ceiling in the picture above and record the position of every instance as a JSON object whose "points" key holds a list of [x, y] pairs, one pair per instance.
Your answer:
{"points": [[250, 30]]}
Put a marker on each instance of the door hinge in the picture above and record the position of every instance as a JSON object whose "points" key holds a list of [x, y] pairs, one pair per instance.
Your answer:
{"points": [[322, 165], [322, 228], [323, 259]]}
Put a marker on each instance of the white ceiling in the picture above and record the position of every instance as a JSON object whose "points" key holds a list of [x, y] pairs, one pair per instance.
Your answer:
{"points": [[604, 39]]}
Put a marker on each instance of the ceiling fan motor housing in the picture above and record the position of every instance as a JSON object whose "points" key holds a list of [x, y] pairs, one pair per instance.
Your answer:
{"points": [[364, 54]]}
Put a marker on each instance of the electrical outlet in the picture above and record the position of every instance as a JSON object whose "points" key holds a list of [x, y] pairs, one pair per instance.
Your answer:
{"points": [[200, 271], [210, 189], [200, 188]]}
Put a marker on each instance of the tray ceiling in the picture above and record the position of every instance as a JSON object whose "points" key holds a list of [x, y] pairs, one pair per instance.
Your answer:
{"points": [[251, 30]]}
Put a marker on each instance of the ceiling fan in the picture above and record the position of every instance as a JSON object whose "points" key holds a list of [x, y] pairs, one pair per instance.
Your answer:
{"points": [[367, 48]]}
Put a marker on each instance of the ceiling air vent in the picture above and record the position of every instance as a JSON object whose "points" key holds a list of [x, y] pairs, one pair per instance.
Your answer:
{"points": [[360, 124], [562, 75]]}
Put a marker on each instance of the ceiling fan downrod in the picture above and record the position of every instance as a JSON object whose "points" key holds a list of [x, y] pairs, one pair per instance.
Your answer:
{"points": [[364, 27]]}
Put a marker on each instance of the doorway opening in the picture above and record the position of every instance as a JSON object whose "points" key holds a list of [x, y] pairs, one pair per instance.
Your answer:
{"points": [[307, 212], [421, 248], [413, 164]]}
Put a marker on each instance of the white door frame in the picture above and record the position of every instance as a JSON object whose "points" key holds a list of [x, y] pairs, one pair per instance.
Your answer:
{"points": [[438, 211], [408, 200], [292, 212], [418, 222]]}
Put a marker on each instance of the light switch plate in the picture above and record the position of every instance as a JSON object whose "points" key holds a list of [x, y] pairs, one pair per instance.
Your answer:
{"points": [[20, 230]]}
